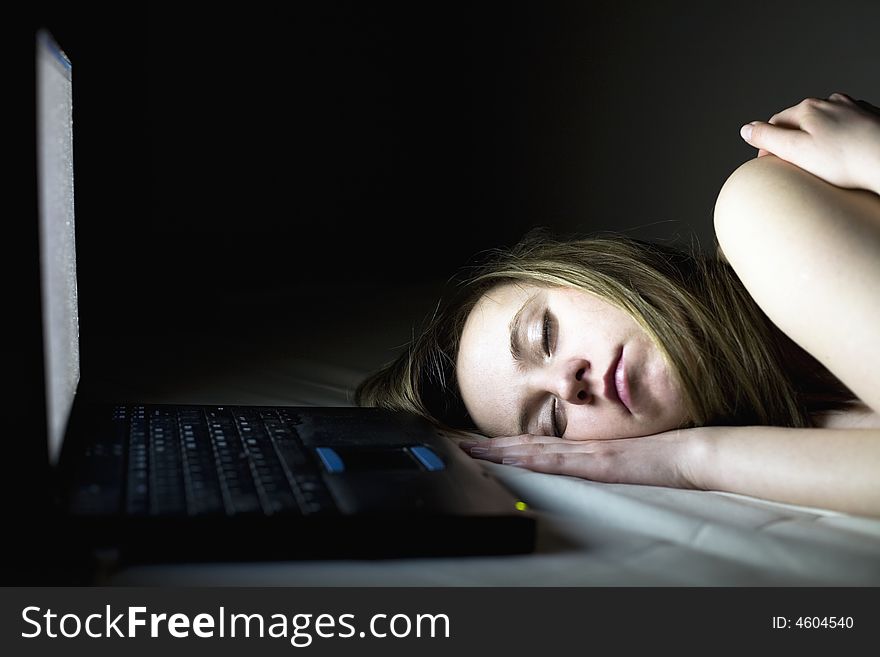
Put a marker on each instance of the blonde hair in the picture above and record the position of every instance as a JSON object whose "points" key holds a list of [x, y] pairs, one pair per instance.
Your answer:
{"points": [[734, 366]]}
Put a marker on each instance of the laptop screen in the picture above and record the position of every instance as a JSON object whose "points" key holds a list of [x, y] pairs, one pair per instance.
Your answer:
{"points": [[57, 237]]}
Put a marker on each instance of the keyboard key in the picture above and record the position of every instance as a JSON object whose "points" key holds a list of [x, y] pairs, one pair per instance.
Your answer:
{"points": [[209, 460]]}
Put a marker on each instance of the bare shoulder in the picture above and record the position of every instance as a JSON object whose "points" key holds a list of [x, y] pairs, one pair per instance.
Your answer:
{"points": [[809, 254]]}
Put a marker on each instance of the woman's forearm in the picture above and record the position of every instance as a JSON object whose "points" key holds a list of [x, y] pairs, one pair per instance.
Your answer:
{"points": [[830, 468]]}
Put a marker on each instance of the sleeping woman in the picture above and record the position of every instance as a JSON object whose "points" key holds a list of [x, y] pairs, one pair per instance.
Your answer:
{"points": [[755, 371]]}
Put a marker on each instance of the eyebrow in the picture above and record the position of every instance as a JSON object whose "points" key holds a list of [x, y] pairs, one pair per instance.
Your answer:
{"points": [[516, 330]]}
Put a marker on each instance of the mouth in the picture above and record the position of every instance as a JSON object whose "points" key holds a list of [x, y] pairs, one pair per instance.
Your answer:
{"points": [[616, 385]]}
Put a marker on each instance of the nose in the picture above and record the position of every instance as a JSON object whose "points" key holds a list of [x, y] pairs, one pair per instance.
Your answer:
{"points": [[569, 382]]}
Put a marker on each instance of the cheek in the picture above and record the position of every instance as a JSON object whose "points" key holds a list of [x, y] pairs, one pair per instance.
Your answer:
{"points": [[489, 404], [672, 402], [672, 392]]}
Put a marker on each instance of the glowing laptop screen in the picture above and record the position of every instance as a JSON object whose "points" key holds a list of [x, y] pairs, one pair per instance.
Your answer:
{"points": [[57, 235]]}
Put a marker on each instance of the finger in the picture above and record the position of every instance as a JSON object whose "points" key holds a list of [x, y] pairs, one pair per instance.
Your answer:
{"points": [[493, 449], [845, 99], [788, 118], [783, 142], [526, 438], [498, 454], [841, 97], [575, 465], [464, 439], [865, 105], [849, 100], [798, 115]]}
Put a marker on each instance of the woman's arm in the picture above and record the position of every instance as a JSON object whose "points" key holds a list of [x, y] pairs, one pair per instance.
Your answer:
{"points": [[809, 254], [828, 468]]}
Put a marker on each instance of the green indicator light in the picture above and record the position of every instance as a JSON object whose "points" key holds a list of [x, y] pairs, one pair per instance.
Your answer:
{"points": [[521, 506]]}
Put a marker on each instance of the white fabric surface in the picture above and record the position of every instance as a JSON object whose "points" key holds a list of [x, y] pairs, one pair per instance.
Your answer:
{"points": [[593, 534]]}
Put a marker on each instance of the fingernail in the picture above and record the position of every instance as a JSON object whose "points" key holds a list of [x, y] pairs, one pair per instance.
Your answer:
{"points": [[479, 451], [511, 461], [467, 444], [746, 132]]}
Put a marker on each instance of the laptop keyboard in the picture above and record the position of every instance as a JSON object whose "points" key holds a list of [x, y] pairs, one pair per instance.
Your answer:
{"points": [[218, 460]]}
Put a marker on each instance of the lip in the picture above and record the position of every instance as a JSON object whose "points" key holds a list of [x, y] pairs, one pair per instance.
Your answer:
{"points": [[616, 385]]}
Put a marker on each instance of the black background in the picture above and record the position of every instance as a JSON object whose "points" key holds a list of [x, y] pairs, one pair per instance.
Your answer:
{"points": [[342, 146], [328, 155]]}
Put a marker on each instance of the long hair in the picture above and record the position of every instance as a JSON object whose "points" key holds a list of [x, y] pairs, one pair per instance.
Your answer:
{"points": [[734, 366]]}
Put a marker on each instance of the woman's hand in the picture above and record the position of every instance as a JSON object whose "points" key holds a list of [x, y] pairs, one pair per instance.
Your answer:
{"points": [[837, 139], [663, 459]]}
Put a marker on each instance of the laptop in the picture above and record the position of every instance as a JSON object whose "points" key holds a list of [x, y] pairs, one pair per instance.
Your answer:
{"points": [[169, 483]]}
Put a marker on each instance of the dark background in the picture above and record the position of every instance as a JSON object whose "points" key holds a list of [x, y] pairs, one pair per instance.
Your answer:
{"points": [[352, 146], [302, 180], [351, 142]]}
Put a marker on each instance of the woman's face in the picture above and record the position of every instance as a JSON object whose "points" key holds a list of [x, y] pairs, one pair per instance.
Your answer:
{"points": [[545, 361]]}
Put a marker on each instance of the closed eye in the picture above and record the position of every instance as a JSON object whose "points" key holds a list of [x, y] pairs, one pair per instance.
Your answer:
{"points": [[555, 418], [547, 333]]}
